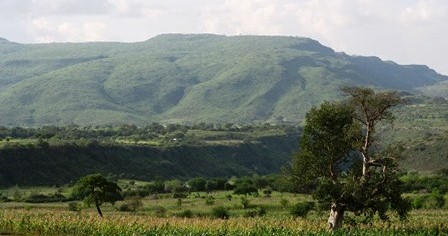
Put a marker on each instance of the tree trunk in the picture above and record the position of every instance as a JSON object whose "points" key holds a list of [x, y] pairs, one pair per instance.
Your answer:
{"points": [[336, 217], [98, 209]]}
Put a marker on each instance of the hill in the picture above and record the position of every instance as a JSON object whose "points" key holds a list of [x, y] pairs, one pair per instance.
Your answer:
{"points": [[185, 78]]}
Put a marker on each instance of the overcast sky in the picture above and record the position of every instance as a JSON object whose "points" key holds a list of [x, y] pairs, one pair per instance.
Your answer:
{"points": [[405, 31]]}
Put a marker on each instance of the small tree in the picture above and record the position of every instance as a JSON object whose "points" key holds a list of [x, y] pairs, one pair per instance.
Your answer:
{"points": [[341, 157], [97, 189], [197, 184]]}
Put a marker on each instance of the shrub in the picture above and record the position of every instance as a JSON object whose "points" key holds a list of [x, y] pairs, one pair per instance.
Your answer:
{"points": [[179, 202], [435, 200], [185, 214], [160, 211], [245, 189], [74, 206], [259, 211], [267, 191], [132, 204], [284, 202], [209, 200], [244, 202], [418, 202], [301, 209], [220, 212], [42, 198], [179, 195]]}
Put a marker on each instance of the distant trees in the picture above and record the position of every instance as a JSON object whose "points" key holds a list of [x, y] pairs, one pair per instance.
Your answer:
{"points": [[96, 189], [340, 155]]}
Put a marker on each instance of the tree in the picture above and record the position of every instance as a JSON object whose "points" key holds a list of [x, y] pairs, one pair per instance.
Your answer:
{"points": [[97, 189], [197, 184], [341, 157]]}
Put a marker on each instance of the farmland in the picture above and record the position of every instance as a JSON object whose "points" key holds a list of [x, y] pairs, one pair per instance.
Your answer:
{"points": [[266, 213]]}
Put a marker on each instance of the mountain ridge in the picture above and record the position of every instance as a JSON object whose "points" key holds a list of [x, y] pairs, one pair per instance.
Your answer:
{"points": [[186, 78]]}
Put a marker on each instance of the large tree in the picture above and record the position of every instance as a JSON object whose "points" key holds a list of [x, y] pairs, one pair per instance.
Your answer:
{"points": [[96, 189], [341, 157]]}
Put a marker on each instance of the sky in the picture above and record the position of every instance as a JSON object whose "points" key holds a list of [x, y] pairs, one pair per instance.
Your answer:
{"points": [[404, 31]]}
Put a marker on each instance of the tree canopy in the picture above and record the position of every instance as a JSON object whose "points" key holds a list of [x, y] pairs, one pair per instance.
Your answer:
{"points": [[342, 161], [96, 189]]}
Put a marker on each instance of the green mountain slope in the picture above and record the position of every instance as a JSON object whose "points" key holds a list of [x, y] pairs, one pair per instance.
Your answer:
{"points": [[184, 78]]}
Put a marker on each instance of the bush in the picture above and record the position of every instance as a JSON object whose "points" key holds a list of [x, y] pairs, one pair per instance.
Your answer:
{"points": [[220, 212], [267, 191], [179, 202], [284, 202], [42, 198], [418, 202], [259, 211], [74, 206], [244, 202], [132, 204], [435, 200], [160, 211], [301, 209], [185, 214], [209, 200], [245, 189]]}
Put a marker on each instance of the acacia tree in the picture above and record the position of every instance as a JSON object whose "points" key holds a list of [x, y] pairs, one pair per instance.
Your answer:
{"points": [[97, 189], [341, 157]]}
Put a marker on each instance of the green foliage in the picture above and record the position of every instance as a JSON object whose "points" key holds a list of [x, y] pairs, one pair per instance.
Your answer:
{"points": [[301, 209], [329, 134], [185, 213], [95, 189], [209, 200], [258, 211], [413, 182], [185, 78], [197, 184], [74, 206], [132, 204], [245, 186], [41, 198], [341, 156], [73, 152], [220, 212], [436, 200], [284, 202], [160, 211], [245, 202]]}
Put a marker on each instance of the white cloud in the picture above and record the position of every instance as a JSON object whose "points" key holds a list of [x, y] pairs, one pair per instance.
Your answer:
{"points": [[407, 31], [69, 7], [424, 12], [50, 30]]}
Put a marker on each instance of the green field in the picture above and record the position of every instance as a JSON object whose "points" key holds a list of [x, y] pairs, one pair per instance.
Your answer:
{"points": [[194, 215]]}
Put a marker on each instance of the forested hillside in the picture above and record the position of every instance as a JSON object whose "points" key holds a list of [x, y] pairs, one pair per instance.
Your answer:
{"points": [[60, 155], [185, 78]]}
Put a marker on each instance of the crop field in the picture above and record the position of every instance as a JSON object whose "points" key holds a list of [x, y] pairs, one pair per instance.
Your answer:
{"points": [[194, 215], [60, 222]]}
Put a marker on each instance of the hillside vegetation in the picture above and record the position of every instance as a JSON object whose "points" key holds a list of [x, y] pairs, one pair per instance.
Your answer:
{"points": [[59, 155], [185, 78]]}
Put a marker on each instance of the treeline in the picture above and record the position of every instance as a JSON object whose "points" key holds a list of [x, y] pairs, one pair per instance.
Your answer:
{"points": [[246, 185], [74, 132], [253, 185], [421, 191]]}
